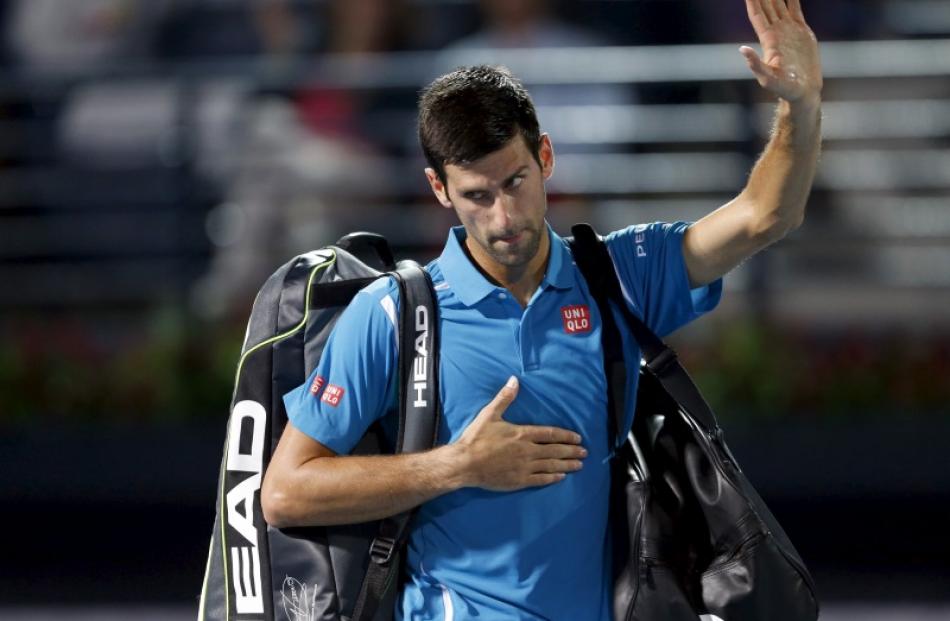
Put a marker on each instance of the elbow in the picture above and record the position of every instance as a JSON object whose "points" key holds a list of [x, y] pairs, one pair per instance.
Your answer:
{"points": [[283, 504], [795, 221], [275, 504], [774, 228], [280, 504]]}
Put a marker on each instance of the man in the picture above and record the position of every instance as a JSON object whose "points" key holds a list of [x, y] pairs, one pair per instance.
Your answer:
{"points": [[513, 515]]}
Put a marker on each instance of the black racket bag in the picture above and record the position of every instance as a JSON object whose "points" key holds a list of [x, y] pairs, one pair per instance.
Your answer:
{"points": [[349, 572]]}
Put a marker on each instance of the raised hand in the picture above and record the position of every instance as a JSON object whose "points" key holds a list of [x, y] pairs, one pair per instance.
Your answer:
{"points": [[790, 66], [501, 456]]}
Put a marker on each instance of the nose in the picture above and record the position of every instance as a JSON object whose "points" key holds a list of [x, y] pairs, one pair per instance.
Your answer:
{"points": [[502, 210]]}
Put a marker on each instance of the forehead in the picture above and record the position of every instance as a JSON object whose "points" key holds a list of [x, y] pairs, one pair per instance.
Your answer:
{"points": [[493, 168]]}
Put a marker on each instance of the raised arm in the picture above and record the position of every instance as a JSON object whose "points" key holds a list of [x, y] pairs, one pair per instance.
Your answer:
{"points": [[773, 201]]}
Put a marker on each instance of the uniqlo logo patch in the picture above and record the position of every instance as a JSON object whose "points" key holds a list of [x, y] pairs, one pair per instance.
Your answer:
{"points": [[317, 384], [332, 395], [576, 318]]}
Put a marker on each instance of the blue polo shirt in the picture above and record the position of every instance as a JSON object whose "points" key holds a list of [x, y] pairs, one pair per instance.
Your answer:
{"points": [[537, 553]]}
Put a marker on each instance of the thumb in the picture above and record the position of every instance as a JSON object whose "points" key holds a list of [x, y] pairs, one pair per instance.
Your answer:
{"points": [[763, 73], [497, 406]]}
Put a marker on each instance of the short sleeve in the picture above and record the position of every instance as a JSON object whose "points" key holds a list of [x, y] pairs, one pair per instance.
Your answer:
{"points": [[650, 265], [351, 386]]}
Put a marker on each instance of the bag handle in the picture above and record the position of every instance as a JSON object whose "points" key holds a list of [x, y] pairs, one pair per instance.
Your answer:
{"points": [[594, 261], [368, 246]]}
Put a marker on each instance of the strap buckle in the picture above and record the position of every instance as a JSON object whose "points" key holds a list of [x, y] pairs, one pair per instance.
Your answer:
{"points": [[382, 549], [662, 361]]}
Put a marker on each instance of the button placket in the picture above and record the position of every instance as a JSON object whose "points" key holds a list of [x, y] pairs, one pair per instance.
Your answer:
{"points": [[513, 318], [527, 346]]}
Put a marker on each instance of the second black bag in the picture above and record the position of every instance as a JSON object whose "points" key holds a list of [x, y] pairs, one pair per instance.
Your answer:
{"points": [[691, 537]]}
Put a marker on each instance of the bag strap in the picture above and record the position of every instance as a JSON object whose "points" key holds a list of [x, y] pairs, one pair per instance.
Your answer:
{"points": [[419, 411], [589, 256], [594, 261]]}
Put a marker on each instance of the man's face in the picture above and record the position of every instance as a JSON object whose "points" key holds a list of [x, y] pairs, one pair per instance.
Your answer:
{"points": [[500, 200]]}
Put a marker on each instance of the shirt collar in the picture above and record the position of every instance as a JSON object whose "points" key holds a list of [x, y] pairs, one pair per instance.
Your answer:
{"points": [[471, 286]]}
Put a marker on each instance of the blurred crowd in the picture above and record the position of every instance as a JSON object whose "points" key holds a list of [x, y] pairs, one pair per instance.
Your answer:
{"points": [[176, 152], [293, 164]]}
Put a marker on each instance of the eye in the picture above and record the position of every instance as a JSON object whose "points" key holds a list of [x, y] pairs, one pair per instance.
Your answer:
{"points": [[476, 196], [515, 181]]}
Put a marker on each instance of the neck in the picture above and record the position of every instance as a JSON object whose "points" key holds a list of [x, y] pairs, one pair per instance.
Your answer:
{"points": [[522, 280]]}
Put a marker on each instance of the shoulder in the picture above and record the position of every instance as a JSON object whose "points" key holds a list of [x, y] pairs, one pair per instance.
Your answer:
{"points": [[640, 240], [374, 304], [435, 272], [647, 230], [381, 297], [379, 289]]}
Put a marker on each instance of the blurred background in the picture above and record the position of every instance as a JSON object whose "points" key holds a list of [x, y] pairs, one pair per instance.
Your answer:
{"points": [[159, 158]]}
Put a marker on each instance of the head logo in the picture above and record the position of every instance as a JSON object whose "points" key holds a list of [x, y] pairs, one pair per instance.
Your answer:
{"points": [[240, 508], [420, 379]]}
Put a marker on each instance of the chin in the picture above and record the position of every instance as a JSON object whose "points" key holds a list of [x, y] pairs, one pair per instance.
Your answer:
{"points": [[518, 258]]}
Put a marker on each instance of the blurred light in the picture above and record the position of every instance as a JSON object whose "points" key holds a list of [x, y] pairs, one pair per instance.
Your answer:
{"points": [[225, 224], [636, 64], [925, 118], [623, 124], [919, 16], [652, 172], [896, 216], [867, 169], [913, 266]]}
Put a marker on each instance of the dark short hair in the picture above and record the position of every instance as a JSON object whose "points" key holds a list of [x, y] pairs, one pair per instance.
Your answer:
{"points": [[473, 111]]}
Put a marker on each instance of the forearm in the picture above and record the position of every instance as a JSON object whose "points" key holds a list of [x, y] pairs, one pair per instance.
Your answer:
{"points": [[780, 182], [352, 489]]}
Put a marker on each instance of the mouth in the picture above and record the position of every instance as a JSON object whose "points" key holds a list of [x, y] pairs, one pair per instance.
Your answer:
{"points": [[511, 239]]}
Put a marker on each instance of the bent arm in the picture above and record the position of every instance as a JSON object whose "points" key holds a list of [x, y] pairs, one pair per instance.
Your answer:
{"points": [[770, 206], [306, 484]]}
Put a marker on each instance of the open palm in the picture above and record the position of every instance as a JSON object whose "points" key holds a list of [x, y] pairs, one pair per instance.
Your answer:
{"points": [[790, 66]]}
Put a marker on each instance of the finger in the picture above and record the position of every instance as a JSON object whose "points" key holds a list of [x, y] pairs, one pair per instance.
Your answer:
{"points": [[538, 480], [497, 406], [780, 9], [759, 21], [795, 10], [543, 466], [768, 9], [561, 451], [763, 73], [550, 435]]}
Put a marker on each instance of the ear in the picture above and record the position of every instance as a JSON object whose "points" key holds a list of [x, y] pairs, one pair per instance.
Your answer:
{"points": [[438, 188], [546, 155]]}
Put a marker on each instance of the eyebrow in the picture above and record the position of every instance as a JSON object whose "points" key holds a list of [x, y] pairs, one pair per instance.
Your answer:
{"points": [[520, 171]]}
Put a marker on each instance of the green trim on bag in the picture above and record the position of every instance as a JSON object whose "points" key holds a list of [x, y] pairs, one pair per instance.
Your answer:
{"points": [[303, 322]]}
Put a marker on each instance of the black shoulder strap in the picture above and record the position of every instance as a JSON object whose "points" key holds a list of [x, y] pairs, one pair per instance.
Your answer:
{"points": [[593, 259], [419, 409]]}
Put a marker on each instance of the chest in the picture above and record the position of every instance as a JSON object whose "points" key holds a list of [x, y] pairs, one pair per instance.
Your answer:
{"points": [[552, 346]]}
